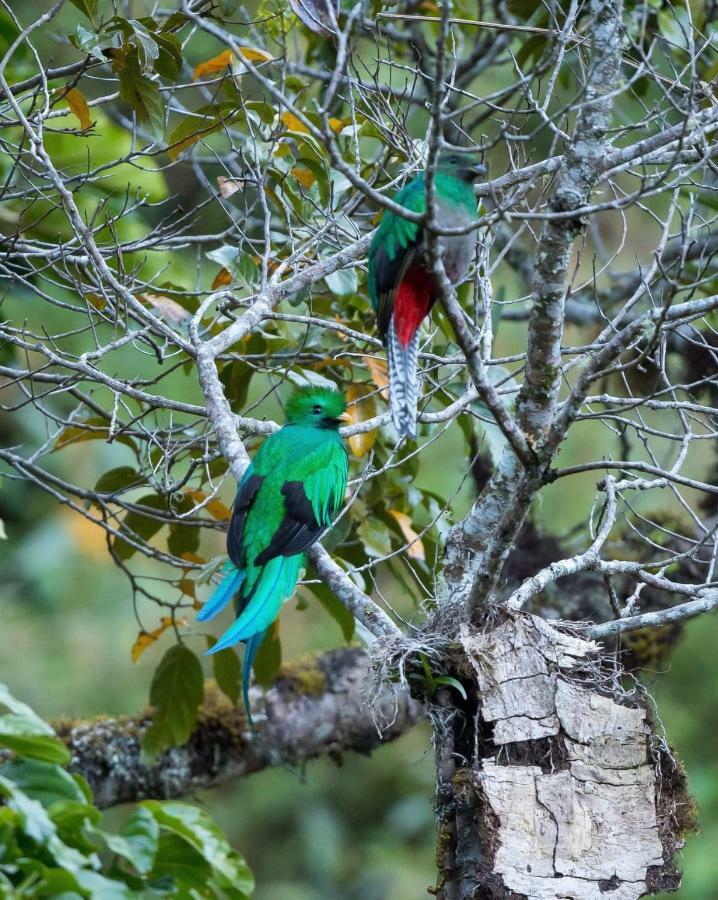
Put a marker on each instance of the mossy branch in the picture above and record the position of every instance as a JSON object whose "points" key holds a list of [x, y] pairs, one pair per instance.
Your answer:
{"points": [[316, 706]]}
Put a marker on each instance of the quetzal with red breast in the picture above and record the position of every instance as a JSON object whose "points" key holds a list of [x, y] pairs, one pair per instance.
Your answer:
{"points": [[289, 495], [401, 287]]}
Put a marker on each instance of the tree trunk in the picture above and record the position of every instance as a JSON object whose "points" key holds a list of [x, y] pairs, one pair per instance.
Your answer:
{"points": [[551, 780]]}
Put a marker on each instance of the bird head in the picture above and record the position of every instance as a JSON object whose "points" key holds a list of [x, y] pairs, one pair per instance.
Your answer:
{"points": [[316, 406], [466, 166]]}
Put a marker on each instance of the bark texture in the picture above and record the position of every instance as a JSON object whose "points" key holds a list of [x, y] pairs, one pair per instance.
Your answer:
{"points": [[318, 705], [569, 793]]}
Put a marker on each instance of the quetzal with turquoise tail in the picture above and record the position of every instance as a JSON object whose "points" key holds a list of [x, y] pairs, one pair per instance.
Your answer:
{"points": [[289, 495], [401, 286]]}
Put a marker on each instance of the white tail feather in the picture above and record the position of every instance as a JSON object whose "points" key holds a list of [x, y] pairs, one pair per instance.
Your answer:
{"points": [[403, 382]]}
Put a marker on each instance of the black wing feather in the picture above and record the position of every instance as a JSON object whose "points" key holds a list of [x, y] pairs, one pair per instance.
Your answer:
{"points": [[245, 495], [298, 530]]}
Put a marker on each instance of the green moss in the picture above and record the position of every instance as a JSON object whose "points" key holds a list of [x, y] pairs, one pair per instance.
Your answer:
{"points": [[304, 675]]}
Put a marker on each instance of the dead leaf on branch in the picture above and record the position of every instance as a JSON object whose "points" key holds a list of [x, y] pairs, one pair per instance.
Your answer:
{"points": [[229, 186], [146, 639], [361, 407], [416, 546]]}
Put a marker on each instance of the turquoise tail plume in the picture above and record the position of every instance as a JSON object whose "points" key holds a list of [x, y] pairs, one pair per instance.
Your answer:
{"points": [[250, 651], [275, 583], [226, 589]]}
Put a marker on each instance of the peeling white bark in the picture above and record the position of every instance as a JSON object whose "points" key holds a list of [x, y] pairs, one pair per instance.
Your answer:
{"points": [[579, 819]]}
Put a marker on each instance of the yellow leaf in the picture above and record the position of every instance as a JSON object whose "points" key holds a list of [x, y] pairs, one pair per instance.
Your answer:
{"points": [[304, 176], [376, 218], [214, 507], [361, 407], [293, 123], [214, 65], [377, 370], [77, 103], [336, 125], [416, 547], [145, 639], [222, 278], [253, 54]]}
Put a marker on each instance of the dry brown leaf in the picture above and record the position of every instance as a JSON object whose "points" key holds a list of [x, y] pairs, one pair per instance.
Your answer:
{"points": [[304, 176], [96, 300], [416, 546], [378, 371], [195, 558], [214, 507], [361, 407], [167, 307], [77, 103], [229, 186], [221, 279], [187, 586], [214, 65]]}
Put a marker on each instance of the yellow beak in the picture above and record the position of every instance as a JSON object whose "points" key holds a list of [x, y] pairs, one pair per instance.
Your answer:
{"points": [[346, 416]]}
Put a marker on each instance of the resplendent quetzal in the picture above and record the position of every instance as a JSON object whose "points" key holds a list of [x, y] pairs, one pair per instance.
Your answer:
{"points": [[401, 286], [289, 495]]}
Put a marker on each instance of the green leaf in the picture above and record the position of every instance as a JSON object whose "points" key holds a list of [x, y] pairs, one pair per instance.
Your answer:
{"points": [[227, 671], [118, 479], [194, 826], [49, 749], [88, 7], [43, 782], [343, 282], [227, 7], [336, 609], [269, 657], [143, 95], [375, 536], [148, 50], [169, 62], [193, 128], [176, 692], [35, 725], [179, 870], [91, 42], [139, 526], [137, 840], [452, 682]]}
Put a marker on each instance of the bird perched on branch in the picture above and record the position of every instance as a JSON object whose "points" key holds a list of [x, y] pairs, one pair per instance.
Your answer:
{"points": [[289, 495], [401, 286]]}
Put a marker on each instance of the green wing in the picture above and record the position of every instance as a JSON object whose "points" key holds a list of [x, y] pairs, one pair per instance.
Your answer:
{"points": [[393, 249], [311, 501]]}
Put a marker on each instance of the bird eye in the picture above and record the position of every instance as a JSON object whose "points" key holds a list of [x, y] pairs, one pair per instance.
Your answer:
{"points": [[453, 160], [317, 410]]}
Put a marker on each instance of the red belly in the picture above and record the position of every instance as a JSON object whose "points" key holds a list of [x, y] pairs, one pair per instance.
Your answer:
{"points": [[413, 301]]}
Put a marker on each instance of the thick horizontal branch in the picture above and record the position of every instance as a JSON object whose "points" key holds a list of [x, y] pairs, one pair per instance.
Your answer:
{"points": [[318, 705]]}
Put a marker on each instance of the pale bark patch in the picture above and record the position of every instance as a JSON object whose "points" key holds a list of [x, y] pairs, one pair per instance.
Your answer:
{"points": [[581, 822]]}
